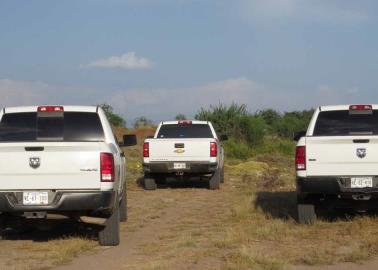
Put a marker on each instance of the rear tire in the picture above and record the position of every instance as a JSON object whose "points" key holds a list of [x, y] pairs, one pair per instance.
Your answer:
{"points": [[215, 179], [123, 206], [149, 183], [160, 179], [2, 225], [306, 213], [110, 234], [222, 175]]}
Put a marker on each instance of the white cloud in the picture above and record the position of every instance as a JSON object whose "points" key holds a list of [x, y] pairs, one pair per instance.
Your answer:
{"points": [[337, 11], [128, 61]]}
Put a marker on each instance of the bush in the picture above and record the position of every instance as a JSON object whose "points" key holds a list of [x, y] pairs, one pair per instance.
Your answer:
{"points": [[236, 150], [224, 118], [142, 122], [292, 122], [251, 130], [114, 119], [275, 145]]}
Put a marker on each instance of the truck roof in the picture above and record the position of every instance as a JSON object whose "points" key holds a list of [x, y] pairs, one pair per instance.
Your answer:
{"points": [[67, 108], [343, 107], [194, 122]]}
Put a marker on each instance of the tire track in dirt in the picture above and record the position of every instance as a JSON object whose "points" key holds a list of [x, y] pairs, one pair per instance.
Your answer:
{"points": [[151, 214]]}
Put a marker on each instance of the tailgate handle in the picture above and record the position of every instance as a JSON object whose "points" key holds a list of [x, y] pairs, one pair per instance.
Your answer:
{"points": [[35, 149], [361, 141], [179, 145]]}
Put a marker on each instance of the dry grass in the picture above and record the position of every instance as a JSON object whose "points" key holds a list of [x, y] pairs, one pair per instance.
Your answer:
{"points": [[262, 232], [43, 255]]}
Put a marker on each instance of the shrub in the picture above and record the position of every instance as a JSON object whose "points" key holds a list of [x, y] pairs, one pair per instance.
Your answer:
{"points": [[180, 116], [114, 119], [142, 122], [236, 150], [251, 129], [224, 118]]}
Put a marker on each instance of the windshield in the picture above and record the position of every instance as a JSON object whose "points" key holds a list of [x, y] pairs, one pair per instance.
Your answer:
{"points": [[185, 131], [67, 126], [344, 123]]}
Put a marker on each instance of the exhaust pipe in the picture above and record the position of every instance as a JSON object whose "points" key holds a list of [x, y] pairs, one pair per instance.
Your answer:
{"points": [[361, 197], [93, 220]]}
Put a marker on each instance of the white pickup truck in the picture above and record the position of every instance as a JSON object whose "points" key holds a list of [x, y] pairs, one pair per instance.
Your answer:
{"points": [[62, 160], [337, 161], [183, 148]]}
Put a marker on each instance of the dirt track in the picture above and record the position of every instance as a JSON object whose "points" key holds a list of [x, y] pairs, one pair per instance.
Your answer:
{"points": [[179, 226], [159, 220]]}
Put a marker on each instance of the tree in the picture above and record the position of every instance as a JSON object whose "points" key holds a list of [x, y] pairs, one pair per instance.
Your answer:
{"points": [[180, 116], [114, 119], [270, 116], [142, 122]]}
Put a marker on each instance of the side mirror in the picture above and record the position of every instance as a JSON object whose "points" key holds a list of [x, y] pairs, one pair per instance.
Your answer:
{"points": [[129, 140], [299, 135], [223, 137]]}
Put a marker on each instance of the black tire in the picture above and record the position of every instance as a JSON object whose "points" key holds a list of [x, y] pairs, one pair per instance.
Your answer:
{"points": [[123, 206], [110, 234], [149, 183], [222, 175], [2, 226], [215, 179], [306, 213], [160, 179]]}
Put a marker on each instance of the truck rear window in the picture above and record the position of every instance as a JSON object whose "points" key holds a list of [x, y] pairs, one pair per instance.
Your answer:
{"points": [[185, 131], [67, 126], [342, 123]]}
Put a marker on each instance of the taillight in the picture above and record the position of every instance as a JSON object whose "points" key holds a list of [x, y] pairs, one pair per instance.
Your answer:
{"points": [[146, 149], [360, 107], [300, 158], [107, 167], [50, 109], [213, 149], [184, 122]]}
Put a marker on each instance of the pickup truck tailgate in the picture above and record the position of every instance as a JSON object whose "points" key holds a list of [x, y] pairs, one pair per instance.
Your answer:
{"points": [[180, 149], [61, 166], [342, 156]]}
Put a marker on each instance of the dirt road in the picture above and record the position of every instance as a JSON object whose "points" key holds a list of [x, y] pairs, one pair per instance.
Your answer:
{"points": [[248, 224], [167, 228]]}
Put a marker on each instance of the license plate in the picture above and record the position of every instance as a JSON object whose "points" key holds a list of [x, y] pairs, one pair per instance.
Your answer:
{"points": [[178, 166], [361, 182], [35, 198]]}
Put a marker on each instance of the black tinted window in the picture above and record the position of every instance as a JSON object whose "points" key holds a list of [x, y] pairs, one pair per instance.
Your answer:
{"points": [[70, 126], [185, 131], [342, 123]]}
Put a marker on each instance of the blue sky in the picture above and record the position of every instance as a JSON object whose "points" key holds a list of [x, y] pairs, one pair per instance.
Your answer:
{"points": [[158, 58]]}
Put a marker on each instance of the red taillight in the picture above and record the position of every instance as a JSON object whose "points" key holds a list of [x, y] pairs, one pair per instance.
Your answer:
{"points": [[107, 167], [213, 149], [184, 122], [360, 107], [300, 158], [50, 109], [146, 149]]}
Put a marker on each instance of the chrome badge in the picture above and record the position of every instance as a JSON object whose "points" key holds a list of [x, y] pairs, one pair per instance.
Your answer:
{"points": [[361, 152], [34, 162], [179, 151]]}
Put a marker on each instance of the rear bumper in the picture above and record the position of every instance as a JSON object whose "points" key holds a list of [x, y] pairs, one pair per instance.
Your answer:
{"points": [[94, 202], [332, 185], [191, 167]]}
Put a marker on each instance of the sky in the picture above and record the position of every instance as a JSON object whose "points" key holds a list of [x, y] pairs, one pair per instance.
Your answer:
{"points": [[159, 58]]}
